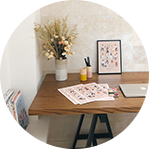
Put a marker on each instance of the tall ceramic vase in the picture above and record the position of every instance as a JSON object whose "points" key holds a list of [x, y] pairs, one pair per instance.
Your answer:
{"points": [[61, 70]]}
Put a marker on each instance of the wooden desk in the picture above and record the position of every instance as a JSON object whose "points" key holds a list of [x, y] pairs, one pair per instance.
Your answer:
{"points": [[49, 101]]}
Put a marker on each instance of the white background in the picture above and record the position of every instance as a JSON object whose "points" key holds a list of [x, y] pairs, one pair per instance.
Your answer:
{"points": [[12, 13]]}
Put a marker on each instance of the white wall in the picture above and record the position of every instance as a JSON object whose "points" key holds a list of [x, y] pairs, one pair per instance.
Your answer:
{"points": [[20, 67], [21, 70], [5, 71], [38, 56]]}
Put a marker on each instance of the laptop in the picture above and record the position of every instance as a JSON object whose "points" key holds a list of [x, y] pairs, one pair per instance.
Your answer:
{"points": [[134, 90]]}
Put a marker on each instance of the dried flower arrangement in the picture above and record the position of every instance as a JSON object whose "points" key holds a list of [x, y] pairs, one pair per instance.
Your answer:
{"points": [[56, 38]]}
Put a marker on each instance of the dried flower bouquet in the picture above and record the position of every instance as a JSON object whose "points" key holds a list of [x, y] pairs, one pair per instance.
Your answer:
{"points": [[56, 37]]}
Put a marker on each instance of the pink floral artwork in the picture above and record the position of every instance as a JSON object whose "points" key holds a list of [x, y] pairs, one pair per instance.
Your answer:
{"points": [[109, 56]]}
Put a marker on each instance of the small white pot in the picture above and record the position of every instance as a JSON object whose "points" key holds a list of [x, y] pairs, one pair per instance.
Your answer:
{"points": [[61, 70]]}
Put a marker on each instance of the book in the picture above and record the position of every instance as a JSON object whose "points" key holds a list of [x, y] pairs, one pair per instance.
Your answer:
{"points": [[6, 94], [9, 102], [15, 103], [20, 111], [7, 97]]}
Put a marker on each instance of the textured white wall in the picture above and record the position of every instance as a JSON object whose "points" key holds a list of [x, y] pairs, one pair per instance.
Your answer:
{"points": [[95, 22]]}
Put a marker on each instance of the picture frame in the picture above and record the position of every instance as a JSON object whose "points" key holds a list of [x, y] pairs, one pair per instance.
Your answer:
{"points": [[109, 59]]}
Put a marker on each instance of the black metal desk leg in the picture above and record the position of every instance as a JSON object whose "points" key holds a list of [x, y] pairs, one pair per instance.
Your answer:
{"points": [[104, 119], [94, 141], [91, 131], [78, 130]]}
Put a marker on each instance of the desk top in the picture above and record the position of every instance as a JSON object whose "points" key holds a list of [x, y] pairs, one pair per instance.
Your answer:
{"points": [[49, 101]]}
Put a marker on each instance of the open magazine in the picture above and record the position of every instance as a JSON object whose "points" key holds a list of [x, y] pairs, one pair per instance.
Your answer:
{"points": [[81, 94]]}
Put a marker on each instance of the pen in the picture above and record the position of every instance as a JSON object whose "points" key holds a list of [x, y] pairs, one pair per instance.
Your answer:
{"points": [[86, 62]]}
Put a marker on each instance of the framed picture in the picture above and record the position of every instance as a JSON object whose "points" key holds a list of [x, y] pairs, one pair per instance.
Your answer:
{"points": [[109, 59]]}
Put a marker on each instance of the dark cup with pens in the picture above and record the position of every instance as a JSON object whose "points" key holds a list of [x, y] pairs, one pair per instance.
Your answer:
{"points": [[89, 67]]}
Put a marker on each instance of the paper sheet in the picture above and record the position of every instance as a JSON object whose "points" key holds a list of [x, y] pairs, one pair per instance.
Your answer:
{"points": [[81, 94]]}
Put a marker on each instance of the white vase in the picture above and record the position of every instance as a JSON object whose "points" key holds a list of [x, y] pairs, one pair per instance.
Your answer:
{"points": [[61, 70]]}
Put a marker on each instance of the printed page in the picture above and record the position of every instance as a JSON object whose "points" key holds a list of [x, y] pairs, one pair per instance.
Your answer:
{"points": [[76, 95], [87, 92], [102, 89], [94, 91], [81, 94], [68, 96]]}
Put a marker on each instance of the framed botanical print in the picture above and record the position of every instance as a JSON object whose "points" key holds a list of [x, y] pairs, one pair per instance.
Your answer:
{"points": [[109, 59]]}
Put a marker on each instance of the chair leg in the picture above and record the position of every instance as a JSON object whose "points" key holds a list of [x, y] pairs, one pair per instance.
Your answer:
{"points": [[104, 119], [78, 130]]}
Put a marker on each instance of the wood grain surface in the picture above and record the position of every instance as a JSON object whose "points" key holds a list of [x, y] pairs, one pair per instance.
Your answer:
{"points": [[49, 101]]}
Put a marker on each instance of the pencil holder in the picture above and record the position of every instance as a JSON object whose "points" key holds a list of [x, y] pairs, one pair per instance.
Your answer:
{"points": [[89, 72], [83, 74]]}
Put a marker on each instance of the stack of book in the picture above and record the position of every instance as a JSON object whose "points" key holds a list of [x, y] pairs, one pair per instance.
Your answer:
{"points": [[15, 103]]}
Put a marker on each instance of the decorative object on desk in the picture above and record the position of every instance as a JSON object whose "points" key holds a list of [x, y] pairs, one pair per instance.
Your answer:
{"points": [[113, 92], [57, 40], [61, 69], [109, 59], [89, 72], [83, 74], [89, 67]]}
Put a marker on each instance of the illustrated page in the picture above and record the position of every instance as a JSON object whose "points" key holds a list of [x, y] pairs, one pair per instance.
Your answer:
{"points": [[68, 96], [81, 94], [74, 94]]}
